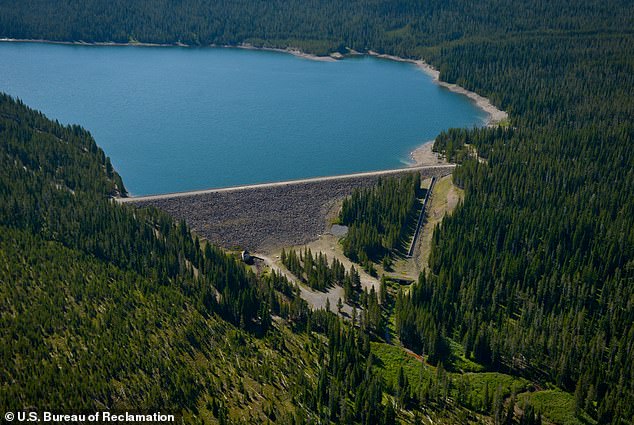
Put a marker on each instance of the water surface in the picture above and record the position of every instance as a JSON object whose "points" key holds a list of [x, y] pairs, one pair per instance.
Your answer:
{"points": [[177, 119]]}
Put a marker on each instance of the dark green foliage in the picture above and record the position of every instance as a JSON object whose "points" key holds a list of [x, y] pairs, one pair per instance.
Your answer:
{"points": [[378, 218], [81, 274], [57, 303], [348, 389], [322, 26], [538, 262], [529, 417], [451, 143], [57, 185], [416, 326], [104, 306], [318, 274], [372, 315]]}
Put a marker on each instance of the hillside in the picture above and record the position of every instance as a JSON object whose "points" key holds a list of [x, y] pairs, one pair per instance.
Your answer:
{"points": [[532, 275], [108, 307], [101, 308]]}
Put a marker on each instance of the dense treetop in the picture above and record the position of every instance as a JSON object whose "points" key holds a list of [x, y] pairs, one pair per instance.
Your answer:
{"points": [[534, 271], [380, 218], [323, 25], [104, 306]]}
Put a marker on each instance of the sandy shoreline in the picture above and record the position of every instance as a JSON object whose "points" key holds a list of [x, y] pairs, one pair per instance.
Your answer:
{"points": [[424, 156], [421, 156], [290, 50], [84, 43], [495, 115]]}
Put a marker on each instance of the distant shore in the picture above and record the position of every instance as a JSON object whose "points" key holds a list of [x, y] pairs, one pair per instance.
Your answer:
{"points": [[495, 115], [421, 156], [93, 43], [290, 50], [245, 46]]}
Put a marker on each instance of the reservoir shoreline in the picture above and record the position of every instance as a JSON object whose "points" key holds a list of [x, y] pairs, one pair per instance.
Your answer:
{"points": [[420, 156], [495, 115]]}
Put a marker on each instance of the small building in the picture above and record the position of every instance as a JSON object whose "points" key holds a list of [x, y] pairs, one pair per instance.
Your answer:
{"points": [[246, 257]]}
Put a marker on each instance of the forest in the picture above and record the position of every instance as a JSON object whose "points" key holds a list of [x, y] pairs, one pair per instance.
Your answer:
{"points": [[318, 274], [106, 306], [379, 218], [532, 275]]}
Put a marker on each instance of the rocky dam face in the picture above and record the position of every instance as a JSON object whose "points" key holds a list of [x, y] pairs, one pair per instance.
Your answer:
{"points": [[268, 216]]}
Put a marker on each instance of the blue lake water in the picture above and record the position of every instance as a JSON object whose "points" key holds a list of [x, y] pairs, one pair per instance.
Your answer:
{"points": [[176, 119]]}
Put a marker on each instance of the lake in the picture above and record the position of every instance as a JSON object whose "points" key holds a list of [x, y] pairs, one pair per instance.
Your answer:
{"points": [[176, 119]]}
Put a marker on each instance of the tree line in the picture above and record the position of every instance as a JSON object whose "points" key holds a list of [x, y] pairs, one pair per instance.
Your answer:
{"points": [[379, 218], [532, 273]]}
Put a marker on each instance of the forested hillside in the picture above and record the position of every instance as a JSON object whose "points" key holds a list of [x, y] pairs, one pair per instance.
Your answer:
{"points": [[537, 265], [107, 307], [92, 291], [379, 218], [59, 185], [533, 273], [397, 27]]}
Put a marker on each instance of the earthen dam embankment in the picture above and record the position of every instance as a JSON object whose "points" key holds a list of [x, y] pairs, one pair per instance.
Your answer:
{"points": [[272, 215]]}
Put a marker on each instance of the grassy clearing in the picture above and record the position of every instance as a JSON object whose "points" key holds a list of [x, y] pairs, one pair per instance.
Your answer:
{"points": [[495, 381], [505, 123], [468, 392], [477, 391], [459, 362], [556, 406], [390, 358]]}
